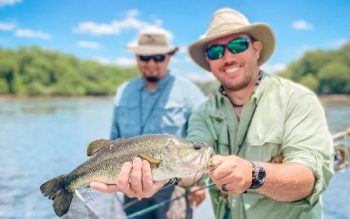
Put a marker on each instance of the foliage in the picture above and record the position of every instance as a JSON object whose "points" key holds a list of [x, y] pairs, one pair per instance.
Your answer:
{"points": [[34, 71], [325, 72]]}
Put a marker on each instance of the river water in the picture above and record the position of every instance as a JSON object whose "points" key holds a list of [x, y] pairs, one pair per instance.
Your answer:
{"points": [[42, 138]]}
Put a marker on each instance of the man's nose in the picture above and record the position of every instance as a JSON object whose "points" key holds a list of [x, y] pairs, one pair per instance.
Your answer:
{"points": [[152, 62], [228, 56]]}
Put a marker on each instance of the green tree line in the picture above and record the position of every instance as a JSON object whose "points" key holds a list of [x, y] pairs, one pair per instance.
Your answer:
{"points": [[34, 71], [324, 72]]}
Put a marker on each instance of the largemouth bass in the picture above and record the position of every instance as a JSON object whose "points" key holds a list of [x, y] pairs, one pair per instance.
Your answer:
{"points": [[169, 157]]}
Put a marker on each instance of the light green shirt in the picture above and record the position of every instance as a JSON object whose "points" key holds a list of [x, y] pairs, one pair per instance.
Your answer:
{"points": [[281, 118]]}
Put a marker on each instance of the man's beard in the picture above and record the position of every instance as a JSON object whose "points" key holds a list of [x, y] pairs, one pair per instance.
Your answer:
{"points": [[239, 86], [152, 79]]}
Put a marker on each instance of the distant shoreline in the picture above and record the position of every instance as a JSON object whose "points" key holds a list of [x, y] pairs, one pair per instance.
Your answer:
{"points": [[13, 97], [335, 97], [331, 97]]}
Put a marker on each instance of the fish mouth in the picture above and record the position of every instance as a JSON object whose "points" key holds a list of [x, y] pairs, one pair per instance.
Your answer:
{"points": [[208, 163]]}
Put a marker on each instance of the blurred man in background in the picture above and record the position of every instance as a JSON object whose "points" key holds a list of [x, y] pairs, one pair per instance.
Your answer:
{"points": [[155, 103]]}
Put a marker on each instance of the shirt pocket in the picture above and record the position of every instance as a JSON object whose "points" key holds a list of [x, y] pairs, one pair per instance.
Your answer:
{"points": [[263, 149]]}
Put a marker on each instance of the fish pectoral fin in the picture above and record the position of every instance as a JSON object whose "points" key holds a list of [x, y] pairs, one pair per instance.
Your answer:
{"points": [[97, 145], [151, 160]]}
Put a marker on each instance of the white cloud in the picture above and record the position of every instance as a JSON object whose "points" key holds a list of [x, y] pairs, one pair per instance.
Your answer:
{"points": [[28, 33], [182, 50], [93, 28], [115, 27], [23, 32], [133, 13], [89, 44], [203, 35], [271, 69], [340, 42], [112, 28], [7, 26], [103, 60], [125, 61], [132, 43], [189, 60], [302, 25], [9, 2]]}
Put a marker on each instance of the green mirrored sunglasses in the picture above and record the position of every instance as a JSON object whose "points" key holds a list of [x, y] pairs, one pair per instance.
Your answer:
{"points": [[235, 46]]}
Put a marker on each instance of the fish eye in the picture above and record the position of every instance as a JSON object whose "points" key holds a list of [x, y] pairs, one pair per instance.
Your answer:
{"points": [[197, 146]]}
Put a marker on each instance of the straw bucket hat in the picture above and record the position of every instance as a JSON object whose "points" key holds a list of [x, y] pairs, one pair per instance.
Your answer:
{"points": [[225, 22], [153, 44]]}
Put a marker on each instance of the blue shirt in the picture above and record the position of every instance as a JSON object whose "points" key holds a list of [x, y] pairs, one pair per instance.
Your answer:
{"points": [[165, 110]]}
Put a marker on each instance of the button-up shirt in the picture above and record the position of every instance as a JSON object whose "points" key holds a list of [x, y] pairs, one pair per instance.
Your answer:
{"points": [[165, 110], [281, 118]]}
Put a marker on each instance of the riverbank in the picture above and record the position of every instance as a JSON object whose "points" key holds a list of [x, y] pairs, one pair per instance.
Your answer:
{"points": [[43, 97], [331, 97], [335, 97]]}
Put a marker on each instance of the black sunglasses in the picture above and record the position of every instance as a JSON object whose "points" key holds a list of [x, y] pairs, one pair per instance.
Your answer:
{"points": [[156, 58], [235, 46]]}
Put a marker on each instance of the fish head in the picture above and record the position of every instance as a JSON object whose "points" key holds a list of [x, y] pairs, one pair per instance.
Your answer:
{"points": [[191, 157]]}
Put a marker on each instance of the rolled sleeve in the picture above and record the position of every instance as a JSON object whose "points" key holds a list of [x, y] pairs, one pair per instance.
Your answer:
{"points": [[307, 141]]}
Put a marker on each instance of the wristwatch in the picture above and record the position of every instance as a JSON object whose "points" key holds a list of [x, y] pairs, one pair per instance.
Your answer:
{"points": [[258, 176]]}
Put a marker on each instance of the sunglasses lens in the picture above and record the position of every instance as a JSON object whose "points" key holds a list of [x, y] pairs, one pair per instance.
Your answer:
{"points": [[156, 58], [238, 45], [145, 58], [159, 58], [215, 52]]}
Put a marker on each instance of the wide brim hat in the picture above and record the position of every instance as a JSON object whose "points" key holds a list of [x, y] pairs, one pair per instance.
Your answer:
{"points": [[153, 44], [225, 22]]}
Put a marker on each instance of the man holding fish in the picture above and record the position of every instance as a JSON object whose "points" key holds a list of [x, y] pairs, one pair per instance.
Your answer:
{"points": [[274, 150]]}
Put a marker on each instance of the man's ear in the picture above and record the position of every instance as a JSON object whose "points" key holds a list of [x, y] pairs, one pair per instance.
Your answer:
{"points": [[258, 46]]}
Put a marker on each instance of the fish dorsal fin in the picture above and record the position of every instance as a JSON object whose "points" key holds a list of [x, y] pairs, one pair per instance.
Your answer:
{"points": [[97, 145], [151, 160]]}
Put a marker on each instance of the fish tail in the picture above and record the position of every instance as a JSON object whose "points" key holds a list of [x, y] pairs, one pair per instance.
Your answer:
{"points": [[55, 190]]}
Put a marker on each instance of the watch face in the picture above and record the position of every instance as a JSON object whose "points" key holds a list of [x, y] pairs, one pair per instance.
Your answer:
{"points": [[259, 176]]}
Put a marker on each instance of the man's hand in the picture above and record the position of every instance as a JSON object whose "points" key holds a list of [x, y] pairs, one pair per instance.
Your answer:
{"points": [[196, 196], [232, 174], [134, 180]]}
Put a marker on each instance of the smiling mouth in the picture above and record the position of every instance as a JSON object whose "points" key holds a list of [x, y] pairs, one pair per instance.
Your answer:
{"points": [[232, 69]]}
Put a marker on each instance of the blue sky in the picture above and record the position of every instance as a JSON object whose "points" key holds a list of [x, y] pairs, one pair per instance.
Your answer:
{"points": [[101, 29]]}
